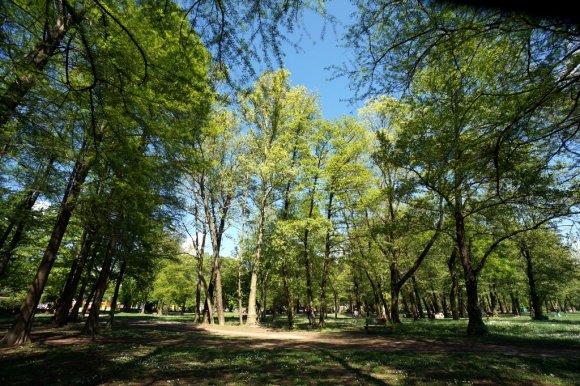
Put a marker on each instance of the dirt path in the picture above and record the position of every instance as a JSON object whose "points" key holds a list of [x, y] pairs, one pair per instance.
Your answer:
{"points": [[303, 339], [265, 338]]}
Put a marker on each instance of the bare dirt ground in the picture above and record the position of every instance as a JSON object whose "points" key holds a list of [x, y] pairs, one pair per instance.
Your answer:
{"points": [[301, 339]]}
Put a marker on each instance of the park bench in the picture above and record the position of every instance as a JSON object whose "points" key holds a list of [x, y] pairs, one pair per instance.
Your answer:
{"points": [[374, 320]]}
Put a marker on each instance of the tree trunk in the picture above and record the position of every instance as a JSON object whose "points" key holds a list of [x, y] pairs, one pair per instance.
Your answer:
{"points": [[385, 303], [461, 302], [395, 289], [92, 324], [252, 320], [428, 308], [535, 300], [219, 298], [289, 297], [65, 301], [501, 304], [208, 304], [116, 293], [89, 298], [444, 306], [493, 300], [264, 298], [475, 326], [20, 331], [452, 264], [418, 297], [436, 307], [239, 293], [326, 259], [335, 298], [412, 304], [74, 313]]}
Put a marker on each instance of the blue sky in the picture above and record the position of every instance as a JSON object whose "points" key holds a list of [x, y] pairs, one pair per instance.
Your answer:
{"points": [[309, 66]]}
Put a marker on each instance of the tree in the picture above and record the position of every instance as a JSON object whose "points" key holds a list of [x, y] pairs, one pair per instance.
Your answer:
{"points": [[121, 125], [270, 111]]}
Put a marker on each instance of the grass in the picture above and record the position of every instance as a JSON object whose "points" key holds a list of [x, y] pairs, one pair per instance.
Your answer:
{"points": [[140, 351]]}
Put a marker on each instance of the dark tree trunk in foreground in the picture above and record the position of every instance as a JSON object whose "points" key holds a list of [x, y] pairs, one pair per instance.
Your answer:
{"points": [[20, 331]]}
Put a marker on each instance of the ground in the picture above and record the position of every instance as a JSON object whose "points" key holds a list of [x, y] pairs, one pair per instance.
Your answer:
{"points": [[172, 350]]}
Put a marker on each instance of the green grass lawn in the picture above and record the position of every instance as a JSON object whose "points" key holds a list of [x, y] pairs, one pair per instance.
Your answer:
{"points": [[139, 351]]}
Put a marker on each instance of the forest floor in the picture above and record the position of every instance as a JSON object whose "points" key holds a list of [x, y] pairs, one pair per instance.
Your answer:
{"points": [[143, 350]]}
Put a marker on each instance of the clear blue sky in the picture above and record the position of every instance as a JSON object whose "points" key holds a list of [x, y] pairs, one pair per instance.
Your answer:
{"points": [[309, 66]]}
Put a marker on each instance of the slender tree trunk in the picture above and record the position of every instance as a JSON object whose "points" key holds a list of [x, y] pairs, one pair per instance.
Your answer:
{"points": [[436, 307], [289, 297], [264, 296], [62, 310], [239, 293], [501, 303], [444, 306], [418, 297], [20, 331], [116, 293], [252, 320], [92, 324], [142, 310], [74, 313], [196, 317], [219, 298], [90, 299], [461, 302], [493, 300], [335, 297], [208, 305], [428, 308], [385, 303], [326, 259], [406, 308], [373, 285], [452, 264], [395, 289]]}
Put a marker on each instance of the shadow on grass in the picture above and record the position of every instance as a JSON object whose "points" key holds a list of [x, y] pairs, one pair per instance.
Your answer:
{"points": [[153, 350]]}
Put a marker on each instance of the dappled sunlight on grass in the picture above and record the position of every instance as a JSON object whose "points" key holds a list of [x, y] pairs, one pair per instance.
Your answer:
{"points": [[156, 350]]}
